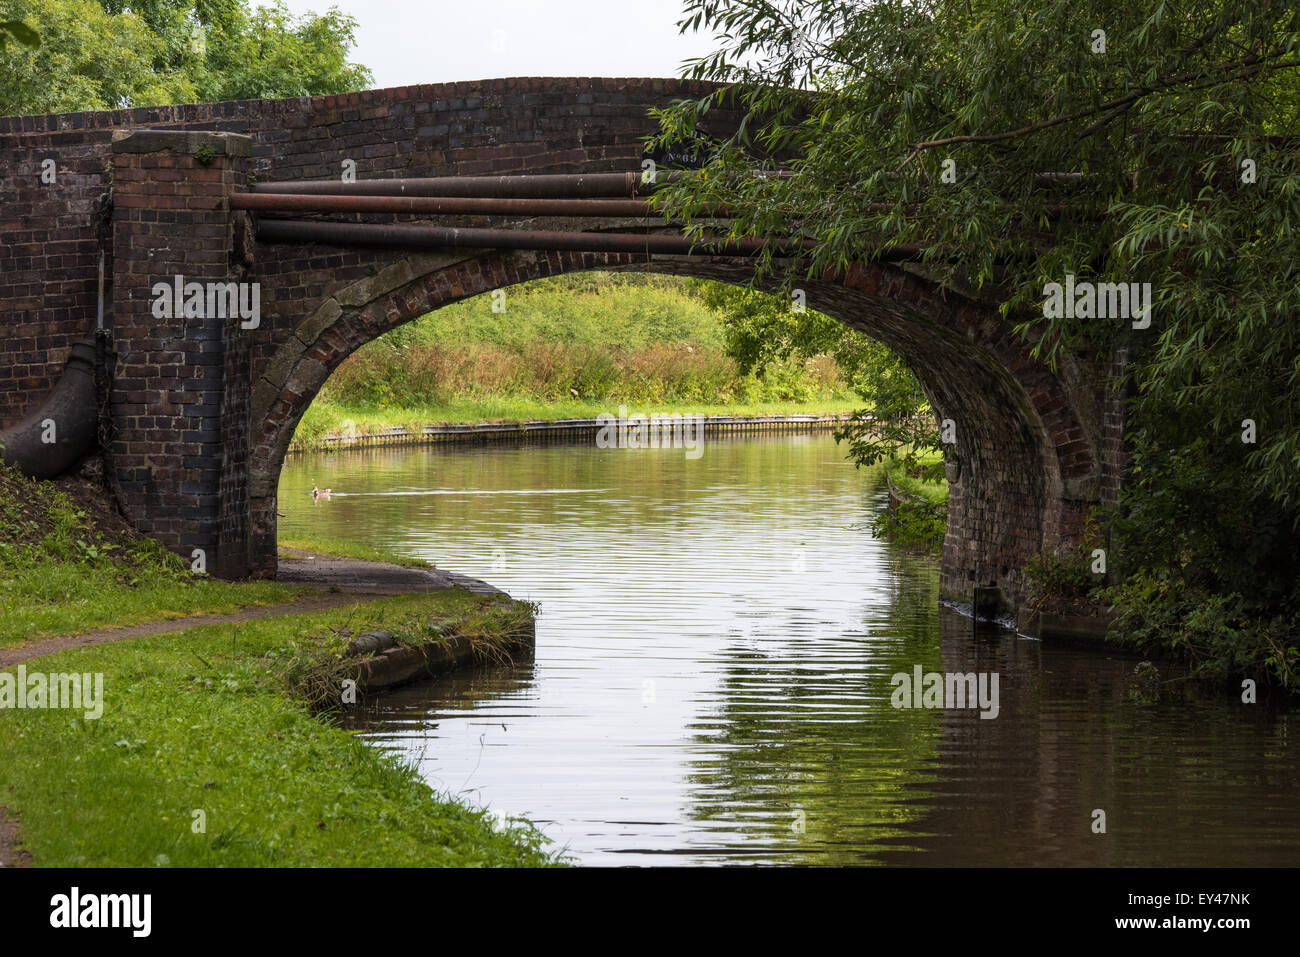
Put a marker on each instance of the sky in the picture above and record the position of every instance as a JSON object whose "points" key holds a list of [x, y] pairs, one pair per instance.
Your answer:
{"points": [[406, 42]]}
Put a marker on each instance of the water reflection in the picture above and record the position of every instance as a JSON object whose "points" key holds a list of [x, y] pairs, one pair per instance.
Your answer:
{"points": [[712, 676]]}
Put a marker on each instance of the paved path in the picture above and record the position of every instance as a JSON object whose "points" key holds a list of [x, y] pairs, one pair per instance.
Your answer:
{"points": [[365, 578]]}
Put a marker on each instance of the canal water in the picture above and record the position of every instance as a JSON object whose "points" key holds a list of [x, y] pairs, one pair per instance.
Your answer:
{"points": [[713, 676]]}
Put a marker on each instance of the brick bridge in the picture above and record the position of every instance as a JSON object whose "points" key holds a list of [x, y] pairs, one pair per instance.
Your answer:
{"points": [[196, 413]]}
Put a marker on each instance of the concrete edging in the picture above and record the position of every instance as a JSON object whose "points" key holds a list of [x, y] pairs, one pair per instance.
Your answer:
{"points": [[394, 664], [1081, 629], [489, 432]]}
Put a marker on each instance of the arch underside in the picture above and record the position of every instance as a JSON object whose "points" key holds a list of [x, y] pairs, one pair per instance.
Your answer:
{"points": [[1022, 472]]}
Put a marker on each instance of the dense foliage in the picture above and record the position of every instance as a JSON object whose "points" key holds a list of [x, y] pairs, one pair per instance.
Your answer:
{"points": [[570, 346], [588, 337], [109, 54], [1015, 145], [897, 423]]}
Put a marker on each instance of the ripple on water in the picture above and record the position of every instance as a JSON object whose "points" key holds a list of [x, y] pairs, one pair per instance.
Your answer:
{"points": [[711, 682]]}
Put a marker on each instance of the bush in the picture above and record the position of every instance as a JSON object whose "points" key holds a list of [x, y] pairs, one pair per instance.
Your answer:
{"points": [[591, 336], [1221, 637], [916, 524], [1061, 578], [917, 516]]}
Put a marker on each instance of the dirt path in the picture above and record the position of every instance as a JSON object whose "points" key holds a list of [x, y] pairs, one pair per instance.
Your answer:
{"points": [[343, 581], [10, 853], [48, 646]]}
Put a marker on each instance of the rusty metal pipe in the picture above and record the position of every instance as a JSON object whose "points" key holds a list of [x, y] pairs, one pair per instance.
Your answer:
{"points": [[477, 206], [57, 434], [354, 234], [542, 186], [445, 205]]}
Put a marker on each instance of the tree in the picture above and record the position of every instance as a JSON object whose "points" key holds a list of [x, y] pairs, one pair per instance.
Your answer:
{"points": [[898, 421], [111, 55], [1120, 142]]}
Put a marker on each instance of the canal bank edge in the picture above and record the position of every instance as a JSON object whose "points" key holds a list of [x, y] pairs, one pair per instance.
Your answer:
{"points": [[382, 663], [257, 722], [485, 433], [379, 659]]}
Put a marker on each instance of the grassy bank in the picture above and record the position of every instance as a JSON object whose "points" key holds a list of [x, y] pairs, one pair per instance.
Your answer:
{"points": [[918, 510], [69, 564], [213, 727], [908, 485], [209, 749], [326, 417], [568, 347]]}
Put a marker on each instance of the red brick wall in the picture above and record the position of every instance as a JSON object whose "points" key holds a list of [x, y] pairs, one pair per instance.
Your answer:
{"points": [[48, 245], [178, 401], [49, 256]]}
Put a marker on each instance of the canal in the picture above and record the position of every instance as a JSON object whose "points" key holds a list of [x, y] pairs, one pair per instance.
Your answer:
{"points": [[712, 681]]}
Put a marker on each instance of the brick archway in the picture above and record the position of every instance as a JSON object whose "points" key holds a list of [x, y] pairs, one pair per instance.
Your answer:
{"points": [[1023, 473]]}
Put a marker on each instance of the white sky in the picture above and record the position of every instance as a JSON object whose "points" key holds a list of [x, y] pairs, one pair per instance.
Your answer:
{"points": [[406, 42]]}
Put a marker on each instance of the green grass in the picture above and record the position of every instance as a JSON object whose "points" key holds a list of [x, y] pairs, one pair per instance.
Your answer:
{"points": [[52, 598], [601, 309], [61, 575], [936, 493], [344, 549], [202, 720], [324, 416], [920, 518], [565, 347]]}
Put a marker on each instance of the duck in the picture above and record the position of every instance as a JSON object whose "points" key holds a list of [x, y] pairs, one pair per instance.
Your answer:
{"points": [[319, 493]]}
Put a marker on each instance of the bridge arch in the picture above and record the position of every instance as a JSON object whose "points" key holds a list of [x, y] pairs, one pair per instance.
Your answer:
{"points": [[200, 410], [1022, 472]]}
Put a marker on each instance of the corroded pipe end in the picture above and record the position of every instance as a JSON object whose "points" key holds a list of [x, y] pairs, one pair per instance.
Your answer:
{"points": [[64, 428]]}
